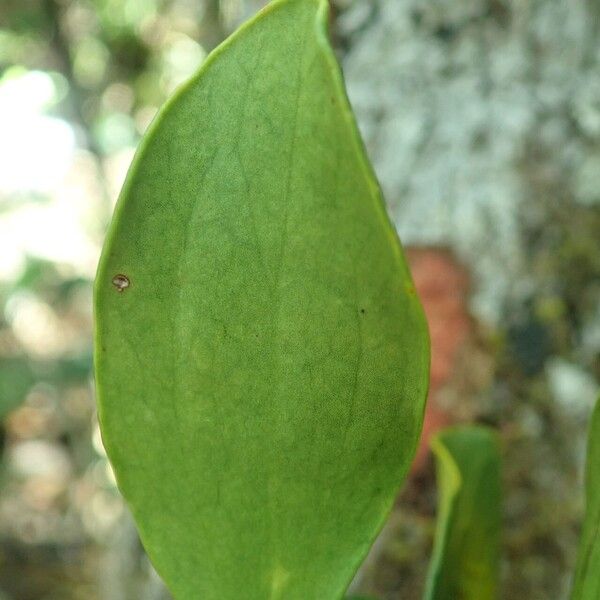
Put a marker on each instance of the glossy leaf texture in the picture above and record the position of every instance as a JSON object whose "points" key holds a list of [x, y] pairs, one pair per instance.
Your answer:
{"points": [[261, 355], [465, 560], [587, 572]]}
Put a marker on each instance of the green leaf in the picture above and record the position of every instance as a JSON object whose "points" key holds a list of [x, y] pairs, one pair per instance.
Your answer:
{"points": [[261, 358], [587, 572], [465, 560]]}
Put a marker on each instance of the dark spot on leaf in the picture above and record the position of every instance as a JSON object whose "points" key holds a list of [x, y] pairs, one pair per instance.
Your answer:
{"points": [[362, 311], [121, 282]]}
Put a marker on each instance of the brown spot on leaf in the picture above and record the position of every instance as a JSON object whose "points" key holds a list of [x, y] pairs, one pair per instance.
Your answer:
{"points": [[121, 282]]}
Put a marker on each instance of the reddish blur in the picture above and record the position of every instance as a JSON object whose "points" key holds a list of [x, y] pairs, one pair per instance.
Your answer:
{"points": [[443, 286]]}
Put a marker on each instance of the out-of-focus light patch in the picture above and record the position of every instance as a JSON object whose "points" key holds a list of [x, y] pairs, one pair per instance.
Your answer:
{"points": [[135, 11], [79, 21], [81, 195], [106, 509], [26, 422], [118, 97], [77, 403], [52, 232], [57, 230], [26, 91], [96, 497], [575, 389], [90, 62], [35, 150], [127, 13], [12, 259], [182, 58], [114, 132], [39, 458], [37, 327]]}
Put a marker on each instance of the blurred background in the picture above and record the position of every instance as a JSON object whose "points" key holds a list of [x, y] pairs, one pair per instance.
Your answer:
{"points": [[482, 118]]}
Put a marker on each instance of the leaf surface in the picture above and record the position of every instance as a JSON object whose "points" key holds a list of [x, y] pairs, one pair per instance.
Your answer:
{"points": [[587, 572], [261, 355], [465, 560]]}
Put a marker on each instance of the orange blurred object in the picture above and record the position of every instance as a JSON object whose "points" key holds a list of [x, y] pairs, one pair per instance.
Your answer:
{"points": [[443, 286]]}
